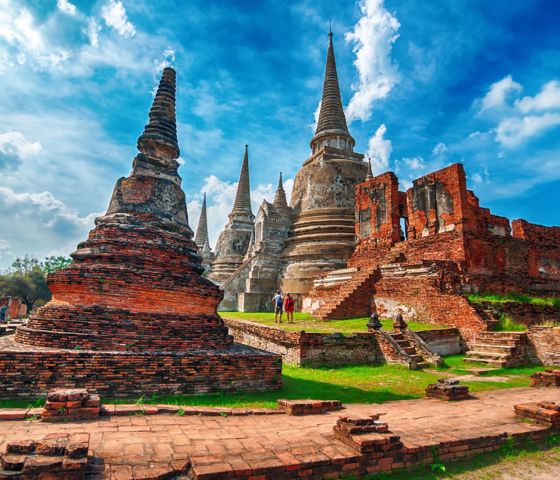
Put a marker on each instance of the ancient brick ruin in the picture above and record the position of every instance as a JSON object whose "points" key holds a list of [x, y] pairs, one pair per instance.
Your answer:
{"points": [[133, 312], [418, 252]]}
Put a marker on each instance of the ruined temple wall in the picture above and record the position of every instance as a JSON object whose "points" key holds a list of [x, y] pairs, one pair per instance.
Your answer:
{"points": [[426, 299]]}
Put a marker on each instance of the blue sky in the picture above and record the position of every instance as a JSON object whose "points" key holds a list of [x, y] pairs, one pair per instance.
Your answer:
{"points": [[425, 84]]}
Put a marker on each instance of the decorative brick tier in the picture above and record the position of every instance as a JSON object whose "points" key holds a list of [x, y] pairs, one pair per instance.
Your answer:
{"points": [[30, 371], [309, 407], [135, 287], [548, 378], [447, 389], [57, 455], [546, 413]]}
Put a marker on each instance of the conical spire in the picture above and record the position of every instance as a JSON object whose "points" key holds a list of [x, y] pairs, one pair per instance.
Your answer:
{"points": [[242, 202], [280, 197], [201, 236], [369, 171], [159, 138], [331, 114]]}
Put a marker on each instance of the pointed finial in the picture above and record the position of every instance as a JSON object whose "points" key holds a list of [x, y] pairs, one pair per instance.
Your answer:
{"points": [[242, 202], [202, 230], [280, 196], [369, 171], [159, 138], [330, 26]]}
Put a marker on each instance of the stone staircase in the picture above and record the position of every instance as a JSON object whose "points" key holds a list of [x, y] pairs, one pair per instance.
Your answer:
{"points": [[351, 294], [498, 349], [414, 353]]}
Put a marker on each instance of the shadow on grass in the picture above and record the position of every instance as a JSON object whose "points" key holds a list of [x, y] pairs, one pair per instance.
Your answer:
{"points": [[292, 389]]}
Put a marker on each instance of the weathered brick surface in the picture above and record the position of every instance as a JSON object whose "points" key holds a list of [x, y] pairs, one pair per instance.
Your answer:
{"points": [[452, 246], [447, 389], [548, 378], [56, 456], [309, 407], [544, 344], [546, 413], [29, 372], [307, 349], [70, 404], [135, 287]]}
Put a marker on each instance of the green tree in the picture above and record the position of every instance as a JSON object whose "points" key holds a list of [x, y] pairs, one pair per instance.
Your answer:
{"points": [[54, 264], [26, 280]]}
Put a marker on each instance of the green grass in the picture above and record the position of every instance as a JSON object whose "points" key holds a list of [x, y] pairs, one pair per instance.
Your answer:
{"points": [[352, 384], [484, 466], [507, 324], [304, 321], [514, 297], [22, 403]]}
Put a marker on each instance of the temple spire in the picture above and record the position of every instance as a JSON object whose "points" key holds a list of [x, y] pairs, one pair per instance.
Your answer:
{"points": [[159, 138], [242, 202], [280, 197], [369, 171], [332, 122], [201, 237]]}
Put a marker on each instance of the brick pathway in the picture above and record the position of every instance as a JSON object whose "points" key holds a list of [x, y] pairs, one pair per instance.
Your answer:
{"points": [[148, 446]]}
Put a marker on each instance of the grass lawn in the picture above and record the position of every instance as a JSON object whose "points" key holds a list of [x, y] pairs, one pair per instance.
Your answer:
{"points": [[514, 297], [352, 384], [304, 321]]}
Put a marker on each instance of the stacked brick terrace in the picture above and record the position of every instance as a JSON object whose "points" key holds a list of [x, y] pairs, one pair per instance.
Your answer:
{"points": [[498, 349], [135, 288]]}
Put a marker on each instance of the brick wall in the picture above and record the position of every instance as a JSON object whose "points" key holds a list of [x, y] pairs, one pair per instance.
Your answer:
{"points": [[307, 349], [544, 345], [30, 373], [425, 299]]}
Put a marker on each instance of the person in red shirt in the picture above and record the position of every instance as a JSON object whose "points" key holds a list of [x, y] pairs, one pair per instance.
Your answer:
{"points": [[289, 305]]}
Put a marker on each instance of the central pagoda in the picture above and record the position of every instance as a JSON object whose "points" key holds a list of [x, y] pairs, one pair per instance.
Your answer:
{"points": [[133, 311], [323, 198]]}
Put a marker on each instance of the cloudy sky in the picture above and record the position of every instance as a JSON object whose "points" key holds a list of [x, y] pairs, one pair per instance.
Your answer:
{"points": [[425, 84]]}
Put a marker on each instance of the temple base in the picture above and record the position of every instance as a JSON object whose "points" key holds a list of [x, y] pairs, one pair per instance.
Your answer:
{"points": [[29, 371]]}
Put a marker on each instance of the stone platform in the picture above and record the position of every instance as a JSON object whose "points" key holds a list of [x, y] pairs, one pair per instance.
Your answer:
{"points": [[280, 446], [133, 374]]}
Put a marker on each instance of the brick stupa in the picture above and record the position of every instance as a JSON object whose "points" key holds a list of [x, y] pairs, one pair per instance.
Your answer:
{"points": [[133, 314]]}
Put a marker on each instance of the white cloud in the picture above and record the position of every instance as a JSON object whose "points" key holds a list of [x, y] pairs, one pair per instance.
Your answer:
{"points": [[547, 99], [373, 37], [414, 163], [92, 32], [66, 7], [379, 150], [439, 149], [168, 59], [14, 143], [115, 17], [498, 93], [513, 131]]}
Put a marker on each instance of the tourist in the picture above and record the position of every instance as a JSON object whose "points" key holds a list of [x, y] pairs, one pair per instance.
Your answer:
{"points": [[3, 311], [278, 301], [289, 305]]}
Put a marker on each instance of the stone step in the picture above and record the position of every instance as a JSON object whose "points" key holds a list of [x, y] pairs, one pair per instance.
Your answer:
{"points": [[488, 361], [496, 355], [422, 365], [487, 347], [502, 335]]}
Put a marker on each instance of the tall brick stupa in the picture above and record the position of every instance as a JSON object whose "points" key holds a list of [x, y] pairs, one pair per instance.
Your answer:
{"points": [[133, 314]]}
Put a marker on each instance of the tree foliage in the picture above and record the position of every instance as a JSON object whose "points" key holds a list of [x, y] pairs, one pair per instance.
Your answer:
{"points": [[26, 279]]}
